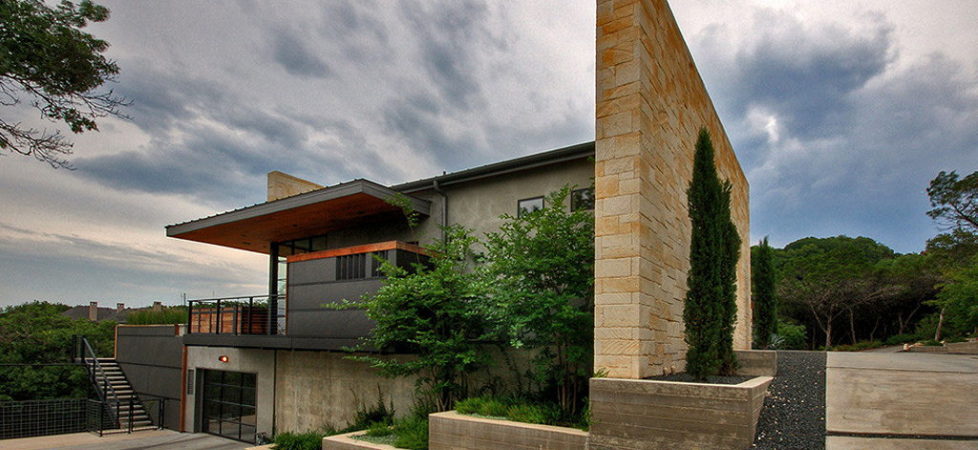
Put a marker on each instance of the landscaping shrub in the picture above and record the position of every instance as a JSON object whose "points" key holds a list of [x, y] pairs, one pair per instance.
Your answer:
{"points": [[765, 300], [522, 410], [167, 315], [789, 337], [858, 346], [954, 339], [931, 343], [312, 440]]}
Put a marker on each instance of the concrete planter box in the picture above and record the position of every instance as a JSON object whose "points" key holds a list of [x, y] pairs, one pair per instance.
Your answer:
{"points": [[347, 442], [641, 414], [451, 430]]}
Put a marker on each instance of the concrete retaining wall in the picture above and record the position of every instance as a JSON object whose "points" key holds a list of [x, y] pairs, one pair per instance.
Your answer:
{"points": [[644, 414], [758, 363], [450, 430], [966, 348]]}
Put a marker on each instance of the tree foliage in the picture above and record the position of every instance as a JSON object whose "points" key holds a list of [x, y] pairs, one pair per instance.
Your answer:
{"points": [[47, 60], [832, 276], [954, 200], [958, 300], [764, 295], [710, 307], [432, 313], [540, 271], [34, 334]]}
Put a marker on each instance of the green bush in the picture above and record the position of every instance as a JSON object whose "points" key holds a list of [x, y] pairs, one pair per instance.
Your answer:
{"points": [[931, 343], [789, 337], [899, 339], [412, 433], [311, 440], [483, 406], [954, 339]]}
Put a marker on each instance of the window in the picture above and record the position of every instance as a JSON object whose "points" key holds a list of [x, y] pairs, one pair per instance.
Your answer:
{"points": [[351, 267], [582, 199], [229, 404], [528, 205]]}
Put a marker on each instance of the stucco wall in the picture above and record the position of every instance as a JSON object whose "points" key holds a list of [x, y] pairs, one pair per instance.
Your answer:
{"points": [[317, 389], [474, 204], [650, 106], [151, 357], [260, 362]]}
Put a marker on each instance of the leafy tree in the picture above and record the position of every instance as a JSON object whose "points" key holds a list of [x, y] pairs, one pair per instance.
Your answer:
{"points": [[710, 307], [431, 312], [832, 276], [46, 58], [958, 299], [35, 334], [765, 298], [540, 271], [915, 277], [955, 200], [948, 251]]}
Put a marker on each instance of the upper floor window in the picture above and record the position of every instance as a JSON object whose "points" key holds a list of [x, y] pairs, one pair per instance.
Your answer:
{"points": [[528, 205], [582, 199]]}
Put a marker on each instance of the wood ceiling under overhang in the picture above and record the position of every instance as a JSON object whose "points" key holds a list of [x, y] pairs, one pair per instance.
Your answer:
{"points": [[312, 213]]}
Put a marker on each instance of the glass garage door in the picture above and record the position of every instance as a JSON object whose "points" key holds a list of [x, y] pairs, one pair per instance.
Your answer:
{"points": [[229, 405]]}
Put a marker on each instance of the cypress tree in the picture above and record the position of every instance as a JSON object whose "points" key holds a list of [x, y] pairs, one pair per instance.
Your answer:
{"points": [[710, 306], [765, 301]]}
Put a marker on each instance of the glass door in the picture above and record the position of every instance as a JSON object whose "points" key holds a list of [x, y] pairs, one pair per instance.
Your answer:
{"points": [[229, 405]]}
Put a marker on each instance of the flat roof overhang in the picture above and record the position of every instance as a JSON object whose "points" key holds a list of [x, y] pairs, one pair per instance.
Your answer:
{"points": [[313, 213]]}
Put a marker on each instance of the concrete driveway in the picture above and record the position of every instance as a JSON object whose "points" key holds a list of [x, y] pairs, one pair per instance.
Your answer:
{"points": [[901, 400], [156, 439]]}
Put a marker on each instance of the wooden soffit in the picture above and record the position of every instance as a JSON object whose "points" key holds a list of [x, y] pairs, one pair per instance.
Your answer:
{"points": [[312, 213]]}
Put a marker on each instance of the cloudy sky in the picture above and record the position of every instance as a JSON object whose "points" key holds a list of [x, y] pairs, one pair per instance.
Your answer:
{"points": [[840, 113]]}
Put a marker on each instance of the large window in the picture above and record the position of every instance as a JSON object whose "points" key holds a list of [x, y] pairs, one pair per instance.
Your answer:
{"points": [[529, 205], [229, 404]]}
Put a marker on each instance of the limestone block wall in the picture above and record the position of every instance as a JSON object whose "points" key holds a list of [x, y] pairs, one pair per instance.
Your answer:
{"points": [[650, 105]]}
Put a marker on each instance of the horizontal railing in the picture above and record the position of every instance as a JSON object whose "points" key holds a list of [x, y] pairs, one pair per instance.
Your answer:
{"points": [[251, 315]]}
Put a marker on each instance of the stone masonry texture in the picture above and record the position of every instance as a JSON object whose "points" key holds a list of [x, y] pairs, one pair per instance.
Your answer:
{"points": [[651, 103]]}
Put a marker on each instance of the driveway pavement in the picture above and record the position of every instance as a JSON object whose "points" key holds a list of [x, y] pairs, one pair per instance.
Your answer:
{"points": [[872, 398], [156, 439]]}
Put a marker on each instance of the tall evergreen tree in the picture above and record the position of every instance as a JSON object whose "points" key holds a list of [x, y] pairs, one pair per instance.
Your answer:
{"points": [[765, 300], [710, 306]]}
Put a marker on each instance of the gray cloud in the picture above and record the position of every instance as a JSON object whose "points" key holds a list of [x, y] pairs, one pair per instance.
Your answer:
{"points": [[292, 53], [835, 139]]}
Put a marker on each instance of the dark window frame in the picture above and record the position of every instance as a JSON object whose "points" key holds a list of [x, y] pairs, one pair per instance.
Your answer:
{"points": [[519, 208]]}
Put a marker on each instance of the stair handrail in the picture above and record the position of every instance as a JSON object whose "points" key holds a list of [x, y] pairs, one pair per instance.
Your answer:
{"points": [[93, 369]]}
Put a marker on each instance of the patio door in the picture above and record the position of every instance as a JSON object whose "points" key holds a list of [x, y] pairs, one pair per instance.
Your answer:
{"points": [[229, 404]]}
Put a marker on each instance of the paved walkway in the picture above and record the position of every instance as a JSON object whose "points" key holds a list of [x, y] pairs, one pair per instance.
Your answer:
{"points": [[870, 396], [156, 439]]}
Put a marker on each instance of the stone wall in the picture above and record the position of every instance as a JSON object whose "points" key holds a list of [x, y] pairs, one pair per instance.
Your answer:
{"points": [[651, 104]]}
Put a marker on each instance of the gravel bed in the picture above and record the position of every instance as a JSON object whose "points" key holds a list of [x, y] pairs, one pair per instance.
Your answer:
{"points": [[794, 410]]}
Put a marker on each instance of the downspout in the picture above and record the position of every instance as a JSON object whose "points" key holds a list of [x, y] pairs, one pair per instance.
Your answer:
{"points": [[444, 208]]}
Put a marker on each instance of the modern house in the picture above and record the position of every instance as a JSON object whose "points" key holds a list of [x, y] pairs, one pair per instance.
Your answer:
{"points": [[275, 362], [250, 366]]}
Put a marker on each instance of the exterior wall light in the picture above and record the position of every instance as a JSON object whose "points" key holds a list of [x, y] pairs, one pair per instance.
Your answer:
{"points": [[223, 359]]}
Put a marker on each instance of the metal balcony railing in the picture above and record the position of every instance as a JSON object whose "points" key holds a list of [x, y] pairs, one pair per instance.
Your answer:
{"points": [[254, 315]]}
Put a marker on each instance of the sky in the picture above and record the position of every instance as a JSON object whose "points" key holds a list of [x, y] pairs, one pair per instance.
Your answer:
{"points": [[840, 113]]}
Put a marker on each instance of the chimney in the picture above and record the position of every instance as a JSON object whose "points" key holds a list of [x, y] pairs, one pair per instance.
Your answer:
{"points": [[119, 307], [93, 311], [157, 306]]}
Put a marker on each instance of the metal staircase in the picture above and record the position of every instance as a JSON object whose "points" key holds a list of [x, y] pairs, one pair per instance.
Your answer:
{"points": [[125, 410], [122, 400]]}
